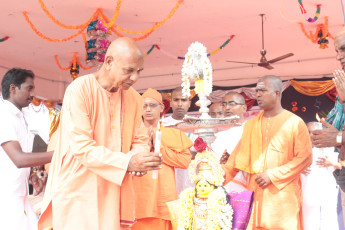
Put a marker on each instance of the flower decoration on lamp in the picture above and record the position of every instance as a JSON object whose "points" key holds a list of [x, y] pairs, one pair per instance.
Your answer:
{"points": [[97, 45], [197, 67]]}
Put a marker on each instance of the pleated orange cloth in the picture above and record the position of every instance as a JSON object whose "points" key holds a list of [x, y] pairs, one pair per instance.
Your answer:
{"points": [[280, 146], [152, 223], [151, 195]]}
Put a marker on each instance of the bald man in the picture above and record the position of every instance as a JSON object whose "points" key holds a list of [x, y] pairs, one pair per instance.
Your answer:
{"points": [[216, 110], [100, 140], [274, 149]]}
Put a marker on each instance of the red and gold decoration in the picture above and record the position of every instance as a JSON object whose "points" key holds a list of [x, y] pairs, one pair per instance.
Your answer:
{"points": [[98, 14], [73, 66], [320, 36], [4, 38]]}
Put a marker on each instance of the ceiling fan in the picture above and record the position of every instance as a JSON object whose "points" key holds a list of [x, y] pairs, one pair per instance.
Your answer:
{"points": [[263, 61]]}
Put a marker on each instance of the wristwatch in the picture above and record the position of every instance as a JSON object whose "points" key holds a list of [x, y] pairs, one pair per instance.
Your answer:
{"points": [[339, 138]]}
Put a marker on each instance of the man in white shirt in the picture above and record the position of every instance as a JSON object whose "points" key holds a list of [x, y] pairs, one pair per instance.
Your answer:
{"points": [[180, 106], [15, 153], [233, 104], [320, 190]]}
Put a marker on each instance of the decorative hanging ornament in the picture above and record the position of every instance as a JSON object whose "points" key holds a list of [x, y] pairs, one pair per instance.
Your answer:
{"points": [[74, 71], [73, 66], [96, 47], [322, 38], [303, 11], [321, 34]]}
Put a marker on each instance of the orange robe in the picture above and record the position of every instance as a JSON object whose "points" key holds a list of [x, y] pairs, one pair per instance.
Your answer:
{"points": [[151, 195], [280, 146], [88, 187]]}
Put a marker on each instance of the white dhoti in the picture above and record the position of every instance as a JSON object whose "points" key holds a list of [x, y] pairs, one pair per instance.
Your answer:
{"points": [[320, 195], [16, 213]]}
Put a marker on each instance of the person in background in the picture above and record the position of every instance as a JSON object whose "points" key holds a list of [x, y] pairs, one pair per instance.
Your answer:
{"points": [[216, 110], [180, 106], [320, 191], [16, 157], [152, 194]]}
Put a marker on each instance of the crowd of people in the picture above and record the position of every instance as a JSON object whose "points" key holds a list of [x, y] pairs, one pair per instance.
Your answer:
{"points": [[103, 156]]}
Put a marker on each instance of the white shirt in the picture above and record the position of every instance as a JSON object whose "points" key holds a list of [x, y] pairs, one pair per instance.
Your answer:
{"points": [[320, 183], [227, 140], [13, 127]]}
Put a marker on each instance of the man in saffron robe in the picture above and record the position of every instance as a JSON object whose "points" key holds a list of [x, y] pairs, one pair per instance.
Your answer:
{"points": [[180, 106], [151, 194], [274, 149], [101, 138]]}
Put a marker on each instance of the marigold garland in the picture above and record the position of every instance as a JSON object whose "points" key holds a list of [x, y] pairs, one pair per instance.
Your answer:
{"points": [[47, 38], [108, 23]]}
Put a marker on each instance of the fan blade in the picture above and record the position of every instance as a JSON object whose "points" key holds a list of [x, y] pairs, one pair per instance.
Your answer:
{"points": [[266, 65], [280, 58], [251, 63]]}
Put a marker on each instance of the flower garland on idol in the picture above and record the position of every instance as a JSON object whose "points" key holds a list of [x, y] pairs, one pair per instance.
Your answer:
{"points": [[197, 67], [220, 212]]}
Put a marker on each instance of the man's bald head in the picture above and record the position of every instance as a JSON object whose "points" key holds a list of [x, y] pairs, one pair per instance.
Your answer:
{"points": [[274, 81], [268, 93], [340, 33], [122, 65], [216, 110], [238, 96], [339, 46], [124, 47]]}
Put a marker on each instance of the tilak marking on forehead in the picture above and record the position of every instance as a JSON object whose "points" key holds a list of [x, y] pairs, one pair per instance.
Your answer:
{"points": [[260, 84]]}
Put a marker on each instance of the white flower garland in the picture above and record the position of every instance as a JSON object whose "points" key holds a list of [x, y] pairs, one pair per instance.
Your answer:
{"points": [[219, 211], [197, 67], [219, 216]]}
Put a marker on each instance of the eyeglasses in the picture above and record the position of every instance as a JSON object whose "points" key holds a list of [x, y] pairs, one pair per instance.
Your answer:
{"points": [[151, 105], [230, 103]]}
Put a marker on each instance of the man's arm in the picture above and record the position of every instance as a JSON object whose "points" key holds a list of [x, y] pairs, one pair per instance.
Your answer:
{"points": [[22, 159], [327, 137], [229, 167], [175, 146], [100, 160], [283, 175]]}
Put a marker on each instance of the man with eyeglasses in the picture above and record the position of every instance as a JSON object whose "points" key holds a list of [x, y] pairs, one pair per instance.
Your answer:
{"points": [[151, 194], [101, 140], [216, 110], [233, 103], [274, 149]]}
